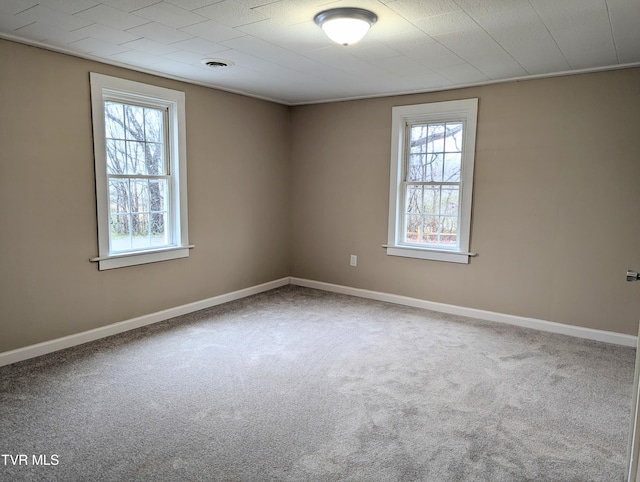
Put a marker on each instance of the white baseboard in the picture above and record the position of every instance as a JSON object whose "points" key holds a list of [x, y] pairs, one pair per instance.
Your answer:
{"points": [[43, 348], [536, 324]]}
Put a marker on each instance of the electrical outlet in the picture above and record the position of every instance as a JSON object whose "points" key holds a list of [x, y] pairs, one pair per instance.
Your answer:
{"points": [[354, 260]]}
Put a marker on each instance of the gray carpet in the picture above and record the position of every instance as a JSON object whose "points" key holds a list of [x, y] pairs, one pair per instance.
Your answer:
{"points": [[297, 384]]}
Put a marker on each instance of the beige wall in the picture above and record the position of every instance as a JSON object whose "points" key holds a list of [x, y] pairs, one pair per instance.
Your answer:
{"points": [[277, 191], [556, 214], [239, 196]]}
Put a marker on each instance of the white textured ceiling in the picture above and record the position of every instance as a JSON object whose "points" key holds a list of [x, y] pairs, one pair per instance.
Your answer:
{"points": [[281, 54]]}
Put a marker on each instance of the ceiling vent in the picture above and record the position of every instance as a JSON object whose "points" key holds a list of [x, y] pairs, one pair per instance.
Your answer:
{"points": [[217, 63]]}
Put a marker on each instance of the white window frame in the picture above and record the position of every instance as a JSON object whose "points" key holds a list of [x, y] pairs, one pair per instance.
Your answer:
{"points": [[465, 111], [105, 88]]}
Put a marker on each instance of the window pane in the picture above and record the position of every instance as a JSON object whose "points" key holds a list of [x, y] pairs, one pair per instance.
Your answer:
{"points": [[449, 230], [119, 232], [452, 164], [418, 139], [134, 122], [159, 229], [139, 196], [433, 168], [154, 125], [154, 160], [135, 158], [431, 202], [414, 199], [140, 231], [430, 233], [116, 157], [158, 194], [417, 165], [431, 211], [119, 196], [453, 141], [114, 120], [449, 201], [435, 133], [413, 229]]}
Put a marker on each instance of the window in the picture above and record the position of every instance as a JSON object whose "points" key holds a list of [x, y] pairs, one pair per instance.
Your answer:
{"points": [[432, 180], [140, 159]]}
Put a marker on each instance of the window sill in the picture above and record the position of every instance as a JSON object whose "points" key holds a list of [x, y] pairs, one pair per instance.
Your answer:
{"points": [[141, 257], [430, 254]]}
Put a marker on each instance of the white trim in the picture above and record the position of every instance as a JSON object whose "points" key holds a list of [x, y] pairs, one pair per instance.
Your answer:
{"points": [[134, 258], [471, 255], [402, 118], [634, 432], [144, 70], [210, 85], [452, 88], [106, 88], [533, 323], [136, 253], [69, 341], [43, 348], [426, 253]]}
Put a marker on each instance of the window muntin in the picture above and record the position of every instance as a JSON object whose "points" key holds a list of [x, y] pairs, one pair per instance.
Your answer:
{"points": [[431, 180], [140, 157]]}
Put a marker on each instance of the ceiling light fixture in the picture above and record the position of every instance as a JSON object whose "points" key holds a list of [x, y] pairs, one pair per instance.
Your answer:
{"points": [[346, 26]]}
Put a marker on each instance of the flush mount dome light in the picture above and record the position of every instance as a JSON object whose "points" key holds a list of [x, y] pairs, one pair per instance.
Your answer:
{"points": [[346, 26]]}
